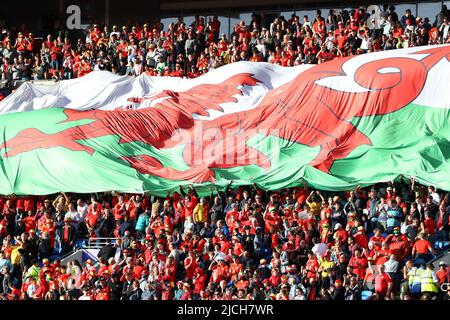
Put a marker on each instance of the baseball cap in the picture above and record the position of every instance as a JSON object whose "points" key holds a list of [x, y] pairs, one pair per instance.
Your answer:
{"points": [[337, 226], [442, 263]]}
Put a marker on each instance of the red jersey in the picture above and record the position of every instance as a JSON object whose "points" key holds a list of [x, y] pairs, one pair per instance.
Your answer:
{"points": [[382, 282], [359, 266]]}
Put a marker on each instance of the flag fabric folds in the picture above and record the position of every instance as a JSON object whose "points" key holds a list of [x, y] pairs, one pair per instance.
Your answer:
{"points": [[351, 121]]}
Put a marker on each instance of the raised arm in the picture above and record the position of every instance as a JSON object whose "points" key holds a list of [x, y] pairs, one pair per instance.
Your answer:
{"points": [[227, 188], [182, 191], [309, 197], [191, 186], [321, 196]]}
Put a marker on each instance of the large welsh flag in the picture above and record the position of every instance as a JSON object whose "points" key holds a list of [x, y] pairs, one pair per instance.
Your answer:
{"points": [[352, 121]]}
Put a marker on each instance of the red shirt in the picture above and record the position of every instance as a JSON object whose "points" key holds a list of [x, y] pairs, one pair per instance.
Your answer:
{"points": [[275, 280], [235, 268], [381, 283], [312, 266], [219, 273], [422, 246], [190, 266], [119, 212], [177, 73], [361, 239], [359, 266], [22, 44], [215, 26], [199, 283], [442, 275], [55, 53], [102, 296], [92, 215], [429, 226], [341, 235], [377, 240], [256, 58], [222, 46], [137, 271], [66, 234], [440, 223], [189, 206], [225, 245], [238, 249], [30, 223], [84, 69]]}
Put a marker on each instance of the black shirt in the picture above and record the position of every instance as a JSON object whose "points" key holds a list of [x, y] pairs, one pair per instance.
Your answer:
{"points": [[108, 251]]}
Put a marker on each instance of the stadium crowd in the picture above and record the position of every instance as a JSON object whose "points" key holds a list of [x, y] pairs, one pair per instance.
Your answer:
{"points": [[188, 51], [238, 243]]}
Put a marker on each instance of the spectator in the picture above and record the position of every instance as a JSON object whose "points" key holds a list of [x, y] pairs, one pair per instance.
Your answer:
{"points": [[238, 243], [383, 285], [67, 237]]}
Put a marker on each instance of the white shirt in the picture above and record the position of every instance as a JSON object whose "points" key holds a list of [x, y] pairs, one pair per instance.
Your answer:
{"points": [[262, 49], [386, 27], [330, 41], [116, 33], [31, 290], [74, 216], [436, 197], [391, 265], [189, 226], [82, 211], [302, 215], [364, 44]]}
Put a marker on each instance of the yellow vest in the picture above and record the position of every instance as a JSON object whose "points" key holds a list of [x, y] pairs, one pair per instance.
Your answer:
{"points": [[315, 207], [326, 265], [427, 282], [15, 255], [199, 213], [33, 271], [415, 280]]}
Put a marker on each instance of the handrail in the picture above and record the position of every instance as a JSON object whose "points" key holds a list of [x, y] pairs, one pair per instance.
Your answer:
{"points": [[97, 243]]}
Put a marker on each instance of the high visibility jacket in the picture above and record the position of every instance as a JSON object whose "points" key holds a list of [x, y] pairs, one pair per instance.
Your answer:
{"points": [[415, 280], [33, 271], [428, 283]]}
